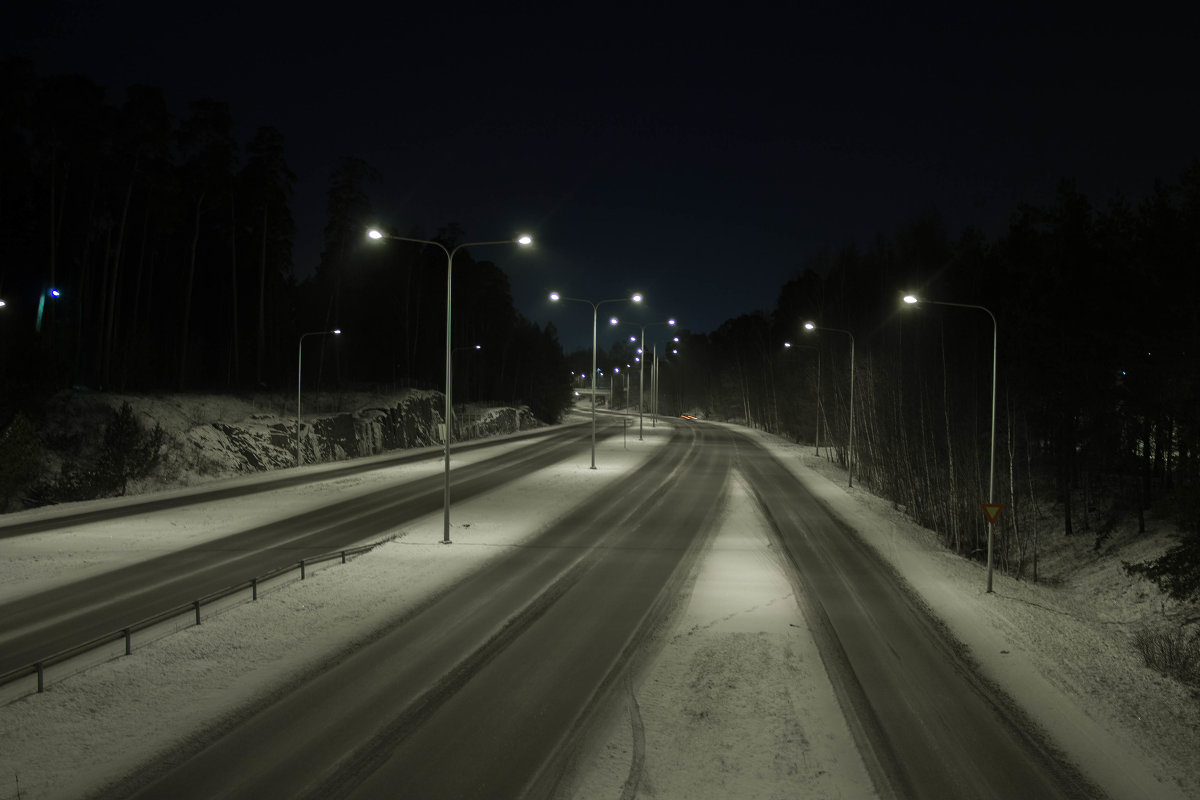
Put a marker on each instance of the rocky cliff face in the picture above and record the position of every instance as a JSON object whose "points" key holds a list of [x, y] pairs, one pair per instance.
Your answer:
{"points": [[214, 436]]}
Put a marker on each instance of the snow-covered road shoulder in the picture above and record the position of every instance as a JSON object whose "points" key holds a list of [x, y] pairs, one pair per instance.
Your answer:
{"points": [[1130, 730]]}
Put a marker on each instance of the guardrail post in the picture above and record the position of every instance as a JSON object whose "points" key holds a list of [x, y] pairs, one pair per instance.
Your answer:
{"points": [[128, 641], [302, 569], [196, 603], [343, 556], [41, 680], [254, 588]]}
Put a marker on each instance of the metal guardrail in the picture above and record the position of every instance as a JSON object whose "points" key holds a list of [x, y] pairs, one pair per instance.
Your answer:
{"points": [[192, 611]]}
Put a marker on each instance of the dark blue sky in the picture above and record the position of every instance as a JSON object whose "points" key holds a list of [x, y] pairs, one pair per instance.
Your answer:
{"points": [[698, 155]]}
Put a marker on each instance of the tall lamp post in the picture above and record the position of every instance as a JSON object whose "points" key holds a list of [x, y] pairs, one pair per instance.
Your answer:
{"points": [[51, 293], [808, 326], [299, 363], [374, 233], [642, 364], [789, 345], [472, 347], [913, 300], [637, 298], [654, 375]]}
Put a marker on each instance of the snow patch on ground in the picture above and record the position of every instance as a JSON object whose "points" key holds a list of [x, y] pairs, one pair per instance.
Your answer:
{"points": [[733, 700], [89, 730], [1053, 649]]}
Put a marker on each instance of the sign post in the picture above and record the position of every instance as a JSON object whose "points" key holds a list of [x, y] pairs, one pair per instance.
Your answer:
{"points": [[992, 512]]}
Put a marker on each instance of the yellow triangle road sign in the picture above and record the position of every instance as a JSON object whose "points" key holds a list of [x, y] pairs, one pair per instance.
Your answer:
{"points": [[992, 511]]}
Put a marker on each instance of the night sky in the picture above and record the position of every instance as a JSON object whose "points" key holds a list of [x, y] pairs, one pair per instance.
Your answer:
{"points": [[698, 155]]}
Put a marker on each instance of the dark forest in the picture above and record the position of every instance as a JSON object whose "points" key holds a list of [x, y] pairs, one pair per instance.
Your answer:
{"points": [[143, 252]]}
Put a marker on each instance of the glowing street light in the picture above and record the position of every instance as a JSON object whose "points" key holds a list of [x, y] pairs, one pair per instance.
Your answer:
{"points": [[299, 362], [788, 346], [555, 297], [913, 300], [641, 362], [53, 294], [809, 326], [523, 240]]}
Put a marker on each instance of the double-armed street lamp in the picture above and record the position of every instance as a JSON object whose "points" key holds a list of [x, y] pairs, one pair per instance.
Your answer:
{"points": [[555, 297], [809, 326], [299, 364], [524, 240], [913, 300]]}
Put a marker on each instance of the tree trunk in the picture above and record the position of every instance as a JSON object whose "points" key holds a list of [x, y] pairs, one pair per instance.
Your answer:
{"points": [[260, 348], [110, 330], [951, 516], [234, 370], [187, 297], [131, 340]]}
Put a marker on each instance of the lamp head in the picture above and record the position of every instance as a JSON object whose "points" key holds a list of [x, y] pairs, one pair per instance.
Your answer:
{"points": [[808, 326], [911, 299], [637, 298], [612, 321], [671, 321], [374, 234], [554, 296], [336, 331], [787, 345], [524, 239]]}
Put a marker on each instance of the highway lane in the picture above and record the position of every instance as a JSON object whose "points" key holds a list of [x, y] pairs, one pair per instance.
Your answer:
{"points": [[12, 525], [926, 723], [476, 692], [470, 694], [47, 622]]}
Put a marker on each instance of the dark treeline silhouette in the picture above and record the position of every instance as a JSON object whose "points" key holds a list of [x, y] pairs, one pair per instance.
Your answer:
{"points": [[144, 252], [170, 245], [1098, 371]]}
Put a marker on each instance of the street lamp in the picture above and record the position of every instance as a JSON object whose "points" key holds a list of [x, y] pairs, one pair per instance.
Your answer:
{"points": [[642, 363], [524, 240], [809, 326], [912, 300], [555, 297], [471, 347], [299, 362], [654, 374], [53, 294], [789, 345]]}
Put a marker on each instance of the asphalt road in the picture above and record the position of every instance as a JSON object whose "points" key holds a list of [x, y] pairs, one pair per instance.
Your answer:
{"points": [[478, 692], [38, 625], [926, 723], [280, 480], [469, 695]]}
